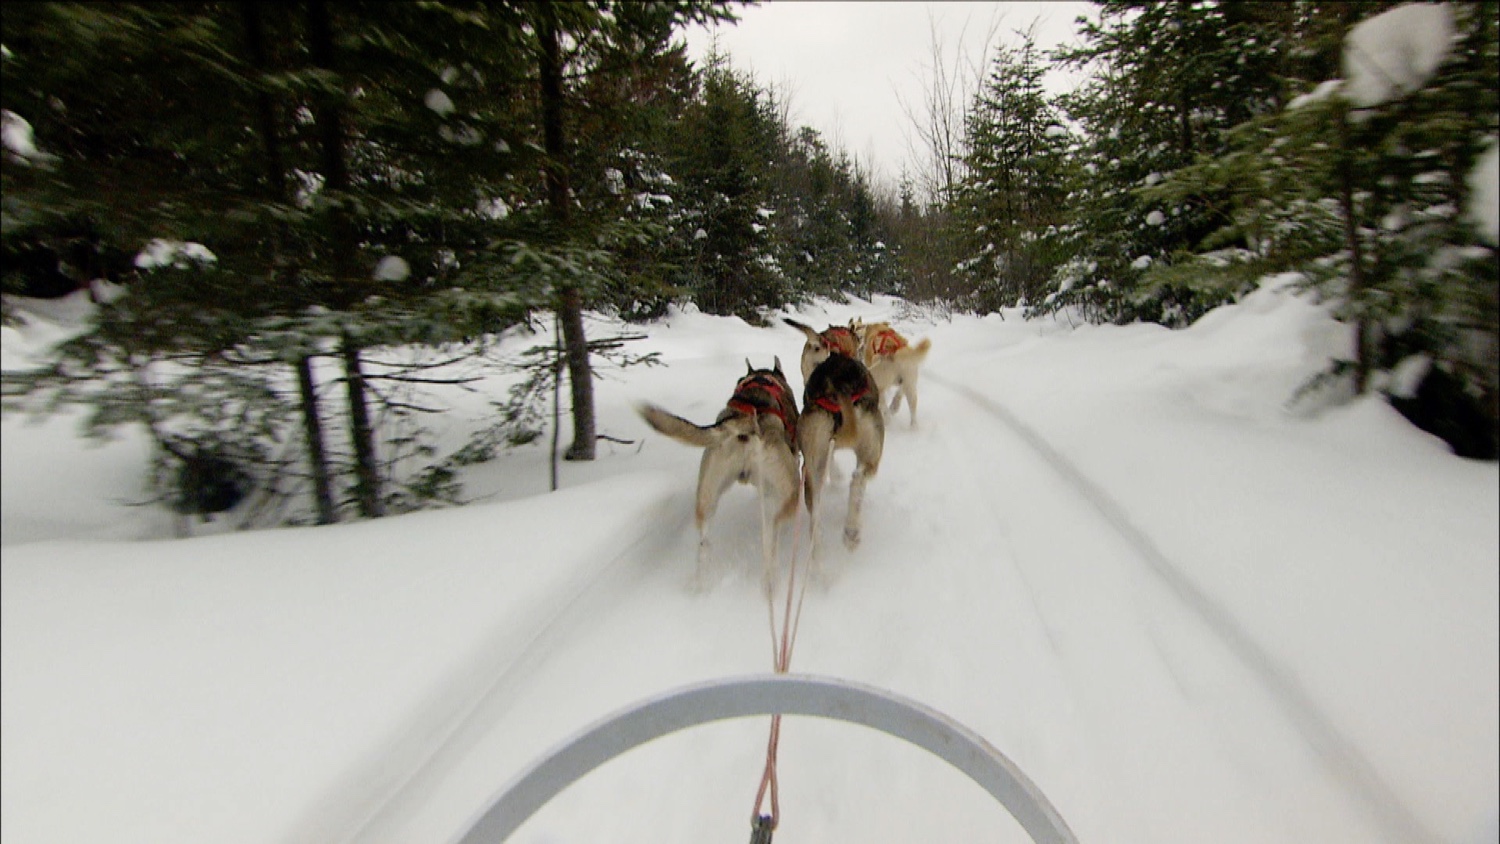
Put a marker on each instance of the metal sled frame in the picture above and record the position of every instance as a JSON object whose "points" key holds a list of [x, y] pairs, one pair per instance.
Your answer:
{"points": [[770, 694]]}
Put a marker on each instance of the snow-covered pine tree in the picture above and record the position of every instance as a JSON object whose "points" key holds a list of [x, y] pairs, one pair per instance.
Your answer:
{"points": [[213, 124], [1361, 185], [1167, 81], [1010, 200], [813, 189], [139, 125], [722, 151], [569, 43]]}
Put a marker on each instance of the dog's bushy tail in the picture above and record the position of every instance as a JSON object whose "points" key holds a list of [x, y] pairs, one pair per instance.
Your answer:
{"points": [[916, 351], [846, 410], [805, 329], [676, 427]]}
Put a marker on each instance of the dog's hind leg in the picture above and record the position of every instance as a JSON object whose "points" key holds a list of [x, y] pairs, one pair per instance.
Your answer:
{"points": [[714, 477], [770, 544], [814, 474], [810, 493], [856, 502], [767, 491], [867, 454], [782, 489]]}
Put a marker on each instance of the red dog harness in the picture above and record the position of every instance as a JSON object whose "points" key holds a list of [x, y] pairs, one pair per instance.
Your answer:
{"points": [[831, 404], [759, 393], [887, 342], [841, 340]]}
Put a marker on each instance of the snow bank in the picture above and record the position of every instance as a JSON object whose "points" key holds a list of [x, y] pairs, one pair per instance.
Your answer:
{"points": [[16, 135], [1394, 53], [310, 668], [1484, 202], [1188, 614]]}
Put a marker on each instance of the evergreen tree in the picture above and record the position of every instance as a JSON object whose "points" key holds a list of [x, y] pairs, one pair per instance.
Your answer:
{"points": [[359, 175], [722, 154], [116, 95], [1010, 201], [1169, 80], [573, 41], [1364, 199]]}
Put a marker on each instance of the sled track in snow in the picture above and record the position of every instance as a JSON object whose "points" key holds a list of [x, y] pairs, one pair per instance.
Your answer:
{"points": [[1340, 756], [508, 671]]}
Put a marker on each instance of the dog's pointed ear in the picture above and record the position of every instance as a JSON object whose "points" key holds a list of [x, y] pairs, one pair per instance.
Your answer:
{"points": [[777, 366], [748, 368]]}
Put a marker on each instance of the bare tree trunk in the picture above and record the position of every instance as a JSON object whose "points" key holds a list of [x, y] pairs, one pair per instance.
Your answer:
{"points": [[276, 187], [569, 298], [366, 472], [1184, 95], [557, 367], [312, 434], [1357, 280], [329, 117], [939, 128]]}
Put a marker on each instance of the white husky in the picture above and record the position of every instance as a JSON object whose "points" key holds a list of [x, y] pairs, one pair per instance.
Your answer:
{"points": [[754, 441], [892, 360]]}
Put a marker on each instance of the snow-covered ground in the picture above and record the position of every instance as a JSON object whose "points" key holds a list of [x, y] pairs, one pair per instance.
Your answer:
{"points": [[1189, 612]]}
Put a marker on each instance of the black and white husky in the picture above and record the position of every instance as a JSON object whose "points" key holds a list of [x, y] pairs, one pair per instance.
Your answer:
{"points": [[840, 409]]}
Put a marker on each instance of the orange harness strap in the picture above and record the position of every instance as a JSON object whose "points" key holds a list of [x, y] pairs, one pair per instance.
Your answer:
{"points": [[888, 342]]}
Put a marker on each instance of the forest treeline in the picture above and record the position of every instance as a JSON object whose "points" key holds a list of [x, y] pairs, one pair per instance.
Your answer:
{"points": [[286, 192]]}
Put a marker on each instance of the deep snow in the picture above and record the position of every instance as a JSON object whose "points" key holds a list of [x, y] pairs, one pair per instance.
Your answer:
{"points": [[1190, 611]]}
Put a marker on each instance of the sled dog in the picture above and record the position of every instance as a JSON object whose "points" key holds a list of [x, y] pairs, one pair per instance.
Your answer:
{"points": [[838, 339], [892, 360], [840, 409], [753, 441]]}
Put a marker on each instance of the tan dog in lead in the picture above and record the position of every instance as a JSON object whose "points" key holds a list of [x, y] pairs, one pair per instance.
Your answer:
{"points": [[892, 361], [753, 441]]}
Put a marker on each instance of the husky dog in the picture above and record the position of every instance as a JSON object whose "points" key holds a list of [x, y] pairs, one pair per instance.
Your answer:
{"points": [[892, 360], [754, 441], [840, 409], [835, 339]]}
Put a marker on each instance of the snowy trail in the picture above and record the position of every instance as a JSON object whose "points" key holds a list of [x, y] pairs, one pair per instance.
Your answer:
{"points": [[911, 568], [1078, 576], [974, 519], [553, 625], [1185, 613], [1340, 757]]}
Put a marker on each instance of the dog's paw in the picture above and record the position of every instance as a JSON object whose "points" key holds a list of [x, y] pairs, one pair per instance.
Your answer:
{"points": [[707, 573], [851, 538]]}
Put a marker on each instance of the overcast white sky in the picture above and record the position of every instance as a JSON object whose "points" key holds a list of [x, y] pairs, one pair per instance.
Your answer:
{"points": [[850, 65]]}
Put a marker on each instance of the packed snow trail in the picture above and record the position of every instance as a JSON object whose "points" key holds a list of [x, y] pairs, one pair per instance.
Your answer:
{"points": [[378, 681], [512, 668], [973, 519], [1341, 757]]}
